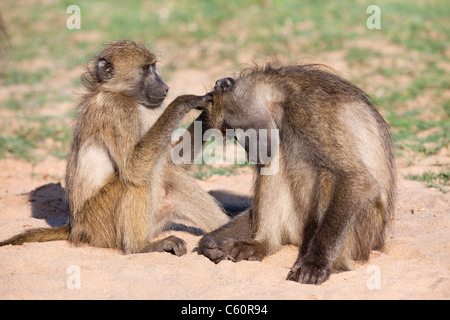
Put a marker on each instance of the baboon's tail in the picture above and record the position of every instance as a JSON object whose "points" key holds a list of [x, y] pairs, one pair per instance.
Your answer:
{"points": [[39, 235]]}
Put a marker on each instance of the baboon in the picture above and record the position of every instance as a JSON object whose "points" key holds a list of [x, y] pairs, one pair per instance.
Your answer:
{"points": [[121, 185], [333, 193]]}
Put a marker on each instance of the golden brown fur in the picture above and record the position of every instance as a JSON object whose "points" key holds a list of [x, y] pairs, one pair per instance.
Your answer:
{"points": [[122, 188], [333, 193]]}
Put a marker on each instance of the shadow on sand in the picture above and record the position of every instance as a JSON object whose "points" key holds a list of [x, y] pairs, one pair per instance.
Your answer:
{"points": [[48, 202]]}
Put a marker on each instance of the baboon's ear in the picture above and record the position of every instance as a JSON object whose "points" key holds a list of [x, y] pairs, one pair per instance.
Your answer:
{"points": [[103, 70], [224, 85]]}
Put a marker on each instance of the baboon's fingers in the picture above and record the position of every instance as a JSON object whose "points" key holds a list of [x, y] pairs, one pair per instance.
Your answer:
{"points": [[208, 242], [208, 97], [170, 244], [247, 250], [293, 274], [174, 245], [204, 101], [241, 251], [210, 248], [308, 272], [215, 255]]}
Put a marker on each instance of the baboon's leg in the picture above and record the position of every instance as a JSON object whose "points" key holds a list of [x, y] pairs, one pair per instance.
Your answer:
{"points": [[314, 267], [280, 210], [95, 223], [132, 213], [194, 204], [134, 228]]}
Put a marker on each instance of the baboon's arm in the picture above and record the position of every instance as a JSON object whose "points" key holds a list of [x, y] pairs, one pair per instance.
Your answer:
{"points": [[315, 266], [196, 148], [149, 150]]}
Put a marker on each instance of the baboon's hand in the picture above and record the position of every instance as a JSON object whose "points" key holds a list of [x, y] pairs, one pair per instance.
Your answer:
{"points": [[190, 101], [219, 249], [307, 271], [204, 101], [173, 245], [247, 250], [215, 249]]}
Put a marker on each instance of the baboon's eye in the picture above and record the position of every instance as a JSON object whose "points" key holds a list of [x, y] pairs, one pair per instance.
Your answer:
{"points": [[147, 66]]}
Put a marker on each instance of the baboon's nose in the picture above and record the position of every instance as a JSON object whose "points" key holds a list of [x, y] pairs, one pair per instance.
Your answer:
{"points": [[166, 89]]}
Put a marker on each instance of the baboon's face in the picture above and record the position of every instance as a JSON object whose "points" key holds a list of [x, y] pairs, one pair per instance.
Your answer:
{"points": [[130, 68], [238, 105]]}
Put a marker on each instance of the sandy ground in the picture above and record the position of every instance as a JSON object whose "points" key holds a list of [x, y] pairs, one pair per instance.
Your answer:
{"points": [[414, 265]]}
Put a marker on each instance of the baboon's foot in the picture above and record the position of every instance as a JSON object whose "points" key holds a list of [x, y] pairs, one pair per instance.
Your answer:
{"points": [[170, 244], [217, 249], [308, 271]]}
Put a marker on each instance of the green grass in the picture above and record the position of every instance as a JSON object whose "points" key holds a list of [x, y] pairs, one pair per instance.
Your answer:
{"points": [[14, 76], [268, 25], [19, 145], [446, 106], [204, 172], [420, 25], [34, 134], [12, 103], [407, 128], [359, 56], [439, 180]]}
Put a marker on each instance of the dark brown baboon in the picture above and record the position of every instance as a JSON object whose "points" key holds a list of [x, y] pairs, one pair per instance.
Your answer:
{"points": [[333, 193], [122, 187]]}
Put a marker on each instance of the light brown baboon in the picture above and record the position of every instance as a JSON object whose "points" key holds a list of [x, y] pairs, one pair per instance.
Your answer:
{"points": [[333, 193], [122, 187]]}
